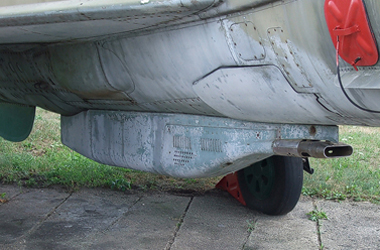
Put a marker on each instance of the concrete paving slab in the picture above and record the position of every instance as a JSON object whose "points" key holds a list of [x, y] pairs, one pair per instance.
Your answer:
{"points": [[10, 191], [150, 224], [21, 215], [214, 221], [105, 219], [291, 231], [350, 225], [86, 212]]}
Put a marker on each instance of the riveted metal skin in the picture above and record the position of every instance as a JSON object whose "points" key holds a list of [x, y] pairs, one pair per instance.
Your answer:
{"points": [[254, 62], [176, 144]]}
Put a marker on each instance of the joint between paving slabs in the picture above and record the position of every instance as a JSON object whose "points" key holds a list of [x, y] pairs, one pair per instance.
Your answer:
{"points": [[122, 215], [318, 226], [38, 224], [251, 227], [6, 200], [179, 225]]}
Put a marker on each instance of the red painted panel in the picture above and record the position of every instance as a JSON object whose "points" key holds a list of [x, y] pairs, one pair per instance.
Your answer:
{"points": [[347, 19]]}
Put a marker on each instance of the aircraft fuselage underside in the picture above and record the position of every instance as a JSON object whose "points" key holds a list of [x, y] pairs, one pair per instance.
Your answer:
{"points": [[215, 86]]}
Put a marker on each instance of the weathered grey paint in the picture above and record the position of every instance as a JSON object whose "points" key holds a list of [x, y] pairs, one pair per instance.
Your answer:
{"points": [[76, 19], [22, 2], [134, 56], [266, 86], [257, 61], [179, 145]]}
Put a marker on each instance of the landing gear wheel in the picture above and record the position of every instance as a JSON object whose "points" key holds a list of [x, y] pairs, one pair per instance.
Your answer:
{"points": [[272, 186]]}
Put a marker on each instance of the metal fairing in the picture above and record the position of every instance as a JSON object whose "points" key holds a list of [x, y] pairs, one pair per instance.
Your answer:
{"points": [[179, 145], [264, 85], [72, 20], [154, 70], [255, 61]]}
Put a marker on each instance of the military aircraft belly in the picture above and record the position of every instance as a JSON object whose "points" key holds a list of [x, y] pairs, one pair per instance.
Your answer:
{"points": [[160, 70], [255, 62], [104, 65]]}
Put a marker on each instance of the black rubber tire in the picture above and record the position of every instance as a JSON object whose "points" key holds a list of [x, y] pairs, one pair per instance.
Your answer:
{"points": [[283, 194]]}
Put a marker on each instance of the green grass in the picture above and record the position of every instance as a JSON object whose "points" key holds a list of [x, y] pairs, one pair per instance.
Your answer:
{"points": [[251, 225], [356, 177], [317, 215], [42, 161]]}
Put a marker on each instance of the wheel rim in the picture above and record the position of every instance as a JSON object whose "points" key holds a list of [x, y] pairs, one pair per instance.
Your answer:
{"points": [[260, 178]]}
